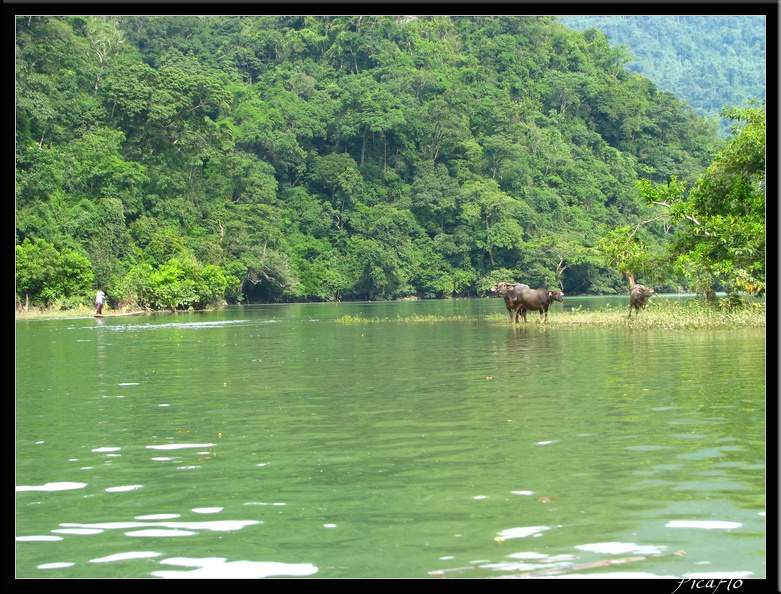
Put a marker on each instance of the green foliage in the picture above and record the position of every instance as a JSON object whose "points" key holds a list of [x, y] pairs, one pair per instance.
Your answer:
{"points": [[45, 274], [136, 286], [722, 220], [624, 250], [710, 61], [177, 284], [339, 157], [725, 213]]}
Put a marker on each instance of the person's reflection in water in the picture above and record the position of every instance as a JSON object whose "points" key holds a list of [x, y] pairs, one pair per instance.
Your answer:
{"points": [[101, 356]]}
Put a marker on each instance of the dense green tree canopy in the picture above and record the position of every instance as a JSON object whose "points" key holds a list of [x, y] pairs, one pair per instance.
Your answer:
{"points": [[194, 159], [710, 61]]}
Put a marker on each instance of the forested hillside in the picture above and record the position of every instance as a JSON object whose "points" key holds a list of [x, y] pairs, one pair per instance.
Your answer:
{"points": [[180, 161], [710, 61]]}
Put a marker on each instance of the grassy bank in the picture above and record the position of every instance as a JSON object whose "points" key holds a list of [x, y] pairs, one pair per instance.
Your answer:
{"points": [[663, 315], [35, 313]]}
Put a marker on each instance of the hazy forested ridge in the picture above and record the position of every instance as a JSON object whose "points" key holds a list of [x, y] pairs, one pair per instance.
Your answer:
{"points": [[179, 161], [710, 61]]}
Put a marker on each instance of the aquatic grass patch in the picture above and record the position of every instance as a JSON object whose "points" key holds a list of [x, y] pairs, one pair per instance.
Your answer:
{"points": [[659, 314], [663, 314]]}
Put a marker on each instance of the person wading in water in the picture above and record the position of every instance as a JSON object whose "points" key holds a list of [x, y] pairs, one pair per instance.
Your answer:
{"points": [[100, 299]]}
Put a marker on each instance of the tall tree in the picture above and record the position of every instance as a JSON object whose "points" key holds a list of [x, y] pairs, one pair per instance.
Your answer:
{"points": [[721, 239], [724, 218]]}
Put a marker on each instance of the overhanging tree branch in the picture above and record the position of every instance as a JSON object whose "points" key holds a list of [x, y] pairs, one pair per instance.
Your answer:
{"points": [[689, 217]]}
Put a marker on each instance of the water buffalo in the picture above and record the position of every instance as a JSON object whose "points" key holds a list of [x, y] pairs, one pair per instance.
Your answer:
{"points": [[510, 293], [638, 296], [520, 298], [538, 300]]}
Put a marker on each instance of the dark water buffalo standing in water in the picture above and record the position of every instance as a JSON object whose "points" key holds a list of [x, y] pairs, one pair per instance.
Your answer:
{"points": [[638, 297], [538, 300], [510, 293], [520, 298]]}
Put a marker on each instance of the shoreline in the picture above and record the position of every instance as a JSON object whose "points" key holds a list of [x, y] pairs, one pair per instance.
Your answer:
{"points": [[67, 314], [664, 315]]}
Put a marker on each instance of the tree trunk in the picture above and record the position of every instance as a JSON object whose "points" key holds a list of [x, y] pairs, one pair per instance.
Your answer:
{"points": [[488, 238], [363, 146]]}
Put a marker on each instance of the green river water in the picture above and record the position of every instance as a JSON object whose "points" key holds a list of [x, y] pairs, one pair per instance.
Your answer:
{"points": [[275, 441]]}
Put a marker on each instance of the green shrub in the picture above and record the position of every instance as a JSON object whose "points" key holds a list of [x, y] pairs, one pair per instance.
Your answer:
{"points": [[180, 283], [44, 274]]}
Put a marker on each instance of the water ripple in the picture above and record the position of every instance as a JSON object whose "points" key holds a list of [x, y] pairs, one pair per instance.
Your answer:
{"points": [[706, 524], [126, 556], [61, 486], [179, 325], [218, 568], [219, 526]]}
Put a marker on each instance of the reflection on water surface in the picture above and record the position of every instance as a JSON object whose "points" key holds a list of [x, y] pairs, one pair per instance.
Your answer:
{"points": [[253, 442]]}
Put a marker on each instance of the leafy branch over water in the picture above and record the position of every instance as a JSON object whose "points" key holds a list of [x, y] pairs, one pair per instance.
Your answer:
{"points": [[660, 315]]}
